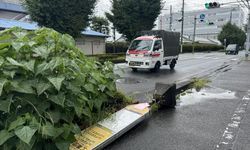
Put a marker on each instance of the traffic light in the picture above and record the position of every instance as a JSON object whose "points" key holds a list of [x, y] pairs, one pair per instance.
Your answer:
{"points": [[212, 5]]}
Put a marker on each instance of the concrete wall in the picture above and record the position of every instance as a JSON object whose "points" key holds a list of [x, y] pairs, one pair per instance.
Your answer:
{"points": [[91, 45], [12, 1], [11, 15]]}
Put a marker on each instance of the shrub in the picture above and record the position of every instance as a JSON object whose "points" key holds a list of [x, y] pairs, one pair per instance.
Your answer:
{"points": [[115, 57], [187, 48], [120, 47], [49, 89]]}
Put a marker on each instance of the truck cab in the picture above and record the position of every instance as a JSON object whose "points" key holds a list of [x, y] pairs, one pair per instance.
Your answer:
{"points": [[148, 52]]}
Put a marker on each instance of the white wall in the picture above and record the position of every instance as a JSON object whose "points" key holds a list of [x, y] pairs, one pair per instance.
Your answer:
{"points": [[91, 45], [11, 1]]}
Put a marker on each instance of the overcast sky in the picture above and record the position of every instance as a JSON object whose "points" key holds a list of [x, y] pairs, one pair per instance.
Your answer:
{"points": [[105, 5]]}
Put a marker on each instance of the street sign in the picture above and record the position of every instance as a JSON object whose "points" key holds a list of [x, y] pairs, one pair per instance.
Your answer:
{"points": [[103, 133], [202, 16]]}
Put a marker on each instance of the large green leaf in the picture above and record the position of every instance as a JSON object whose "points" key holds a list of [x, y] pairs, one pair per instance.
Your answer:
{"points": [[9, 73], [4, 45], [18, 122], [42, 67], [17, 45], [63, 145], [41, 87], [2, 83], [25, 133], [22, 87], [58, 99], [14, 62], [5, 105], [1, 61], [68, 40], [56, 81], [55, 62], [4, 136], [51, 131], [42, 51], [30, 65], [90, 88]]}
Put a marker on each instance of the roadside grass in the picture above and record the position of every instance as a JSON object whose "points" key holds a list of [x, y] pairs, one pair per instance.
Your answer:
{"points": [[199, 83]]}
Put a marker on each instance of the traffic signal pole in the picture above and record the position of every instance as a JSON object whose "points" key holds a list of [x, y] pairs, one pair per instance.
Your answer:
{"points": [[182, 25], [171, 18], [240, 2]]}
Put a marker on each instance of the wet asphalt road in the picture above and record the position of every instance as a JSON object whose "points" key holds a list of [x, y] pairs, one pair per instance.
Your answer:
{"points": [[197, 126], [141, 84]]}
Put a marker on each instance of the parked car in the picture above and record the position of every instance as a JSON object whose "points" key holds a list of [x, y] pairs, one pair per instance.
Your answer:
{"points": [[232, 49]]}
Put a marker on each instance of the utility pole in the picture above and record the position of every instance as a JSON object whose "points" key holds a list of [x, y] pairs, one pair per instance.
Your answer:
{"points": [[114, 38], [248, 34], [194, 33], [171, 18], [247, 5], [231, 15], [182, 25]]}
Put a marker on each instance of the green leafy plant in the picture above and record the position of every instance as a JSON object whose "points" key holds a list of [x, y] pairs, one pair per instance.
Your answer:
{"points": [[49, 90], [198, 84]]}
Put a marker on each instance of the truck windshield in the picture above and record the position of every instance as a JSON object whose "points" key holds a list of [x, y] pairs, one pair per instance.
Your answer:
{"points": [[231, 47], [141, 45]]}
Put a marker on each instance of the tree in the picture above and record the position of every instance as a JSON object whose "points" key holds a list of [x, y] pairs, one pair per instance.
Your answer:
{"points": [[100, 24], [132, 16], [232, 34], [65, 16]]}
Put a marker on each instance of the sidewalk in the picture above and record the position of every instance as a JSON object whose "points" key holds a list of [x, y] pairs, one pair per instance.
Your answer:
{"points": [[237, 133]]}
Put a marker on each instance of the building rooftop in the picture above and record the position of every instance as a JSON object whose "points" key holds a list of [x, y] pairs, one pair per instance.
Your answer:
{"points": [[12, 7], [7, 23]]}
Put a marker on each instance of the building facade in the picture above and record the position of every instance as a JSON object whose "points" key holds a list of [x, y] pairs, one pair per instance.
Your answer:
{"points": [[12, 9], [210, 26]]}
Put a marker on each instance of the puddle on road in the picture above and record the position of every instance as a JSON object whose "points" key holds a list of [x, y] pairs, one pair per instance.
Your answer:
{"points": [[191, 97], [128, 80]]}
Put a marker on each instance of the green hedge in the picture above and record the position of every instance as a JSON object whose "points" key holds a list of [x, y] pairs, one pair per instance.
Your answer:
{"points": [[187, 48], [120, 47], [115, 57]]}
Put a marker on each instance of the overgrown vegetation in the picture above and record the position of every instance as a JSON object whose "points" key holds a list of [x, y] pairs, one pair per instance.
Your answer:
{"points": [[198, 84], [49, 90], [115, 58]]}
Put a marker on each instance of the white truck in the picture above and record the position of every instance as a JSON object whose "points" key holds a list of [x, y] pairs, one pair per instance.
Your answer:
{"points": [[153, 49]]}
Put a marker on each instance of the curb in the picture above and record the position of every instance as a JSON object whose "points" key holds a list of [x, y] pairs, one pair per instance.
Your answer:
{"points": [[105, 132]]}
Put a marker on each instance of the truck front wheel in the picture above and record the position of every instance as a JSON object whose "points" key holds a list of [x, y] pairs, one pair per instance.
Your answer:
{"points": [[134, 69], [156, 68], [172, 65]]}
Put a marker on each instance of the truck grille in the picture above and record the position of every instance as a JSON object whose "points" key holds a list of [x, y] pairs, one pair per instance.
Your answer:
{"points": [[135, 63]]}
